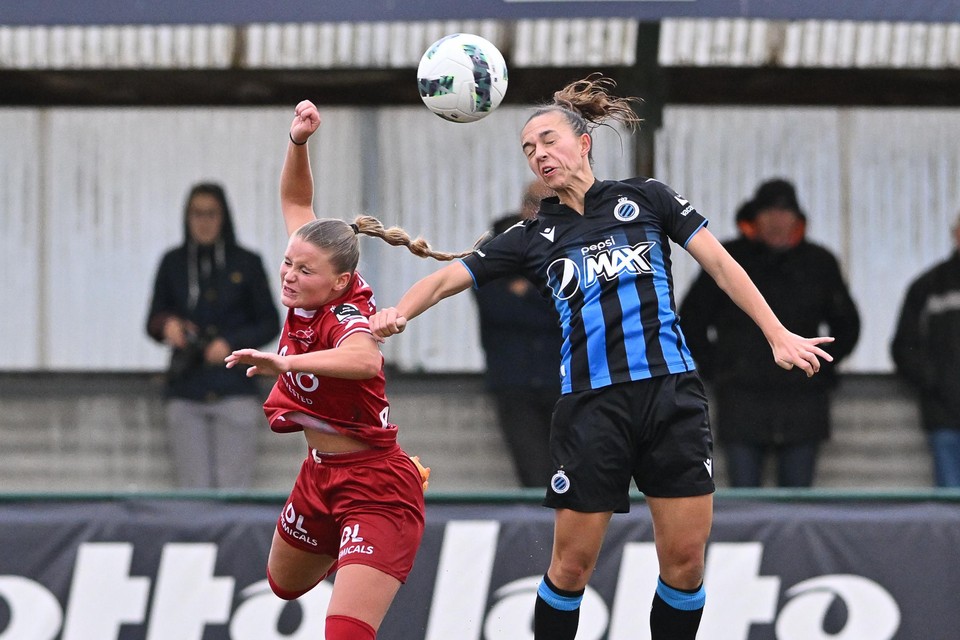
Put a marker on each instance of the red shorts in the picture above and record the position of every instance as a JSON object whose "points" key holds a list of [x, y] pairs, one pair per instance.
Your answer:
{"points": [[360, 508]]}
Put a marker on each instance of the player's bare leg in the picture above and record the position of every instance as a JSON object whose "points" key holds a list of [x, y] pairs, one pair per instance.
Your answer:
{"points": [[361, 593], [292, 571], [577, 538], [681, 527]]}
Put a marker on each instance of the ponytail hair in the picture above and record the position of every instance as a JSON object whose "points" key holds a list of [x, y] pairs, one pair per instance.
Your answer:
{"points": [[370, 226], [339, 240], [587, 104]]}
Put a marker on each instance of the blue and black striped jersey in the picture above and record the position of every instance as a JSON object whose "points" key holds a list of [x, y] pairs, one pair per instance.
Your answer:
{"points": [[608, 273]]}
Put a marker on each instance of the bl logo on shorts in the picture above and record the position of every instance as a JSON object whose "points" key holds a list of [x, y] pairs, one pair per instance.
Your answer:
{"points": [[560, 483]]}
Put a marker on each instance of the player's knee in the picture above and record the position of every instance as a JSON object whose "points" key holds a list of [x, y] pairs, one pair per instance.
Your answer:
{"points": [[683, 570], [571, 572], [285, 594], [347, 628]]}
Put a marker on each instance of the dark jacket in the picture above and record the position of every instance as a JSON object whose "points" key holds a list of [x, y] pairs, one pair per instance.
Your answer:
{"points": [[234, 303], [926, 345], [520, 337], [804, 287], [520, 334]]}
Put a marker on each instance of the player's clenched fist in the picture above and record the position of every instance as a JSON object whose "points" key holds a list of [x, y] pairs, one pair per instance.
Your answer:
{"points": [[305, 123], [387, 322]]}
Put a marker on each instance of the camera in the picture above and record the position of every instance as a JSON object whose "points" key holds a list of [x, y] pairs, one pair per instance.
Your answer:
{"points": [[190, 357]]}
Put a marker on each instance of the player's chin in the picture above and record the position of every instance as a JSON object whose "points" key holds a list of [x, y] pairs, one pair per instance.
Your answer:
{"points": [[551, 179]]}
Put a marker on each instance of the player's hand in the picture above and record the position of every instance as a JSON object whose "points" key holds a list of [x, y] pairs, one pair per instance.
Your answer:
{"points": [[387, 322], [424, 472], [306, 122], [261, 363], [791, 350]]}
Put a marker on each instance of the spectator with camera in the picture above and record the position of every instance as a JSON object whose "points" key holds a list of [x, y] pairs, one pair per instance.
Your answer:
{"points": [[211, 296]]}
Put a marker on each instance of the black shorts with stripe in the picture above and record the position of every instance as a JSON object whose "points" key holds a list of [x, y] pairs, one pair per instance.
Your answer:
{"points": [[656, 431]]}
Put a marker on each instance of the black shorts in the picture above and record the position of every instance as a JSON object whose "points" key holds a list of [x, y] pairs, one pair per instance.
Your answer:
{"points": [[656, 431]]}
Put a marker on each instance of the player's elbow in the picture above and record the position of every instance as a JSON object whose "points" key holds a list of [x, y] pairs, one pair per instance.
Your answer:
{"points": [[368, 366]]}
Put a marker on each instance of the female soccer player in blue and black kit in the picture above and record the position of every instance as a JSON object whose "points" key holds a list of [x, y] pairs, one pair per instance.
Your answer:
{"points": [[633, 405]]}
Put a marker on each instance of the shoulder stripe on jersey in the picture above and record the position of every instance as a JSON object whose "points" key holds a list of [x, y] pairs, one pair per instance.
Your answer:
{"points": [[472, 277], [352, 332], [695, 232]]}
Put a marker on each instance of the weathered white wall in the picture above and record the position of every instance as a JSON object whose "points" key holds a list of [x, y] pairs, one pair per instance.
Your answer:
{"points": [[90, 199], [880, 188], [98, 196]]}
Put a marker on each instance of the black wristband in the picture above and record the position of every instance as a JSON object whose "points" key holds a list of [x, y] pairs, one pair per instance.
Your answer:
{"points": [[299, 144]]}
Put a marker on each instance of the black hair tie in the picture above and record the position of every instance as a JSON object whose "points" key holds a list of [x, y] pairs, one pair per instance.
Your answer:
{"points": [[355, 228]]}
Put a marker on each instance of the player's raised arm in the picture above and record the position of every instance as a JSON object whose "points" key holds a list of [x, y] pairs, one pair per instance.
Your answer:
{"points": [[296, 178]]}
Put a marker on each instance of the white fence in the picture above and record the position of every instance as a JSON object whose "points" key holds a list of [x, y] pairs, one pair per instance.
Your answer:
{"points": [[881, 188], [90, 198]]}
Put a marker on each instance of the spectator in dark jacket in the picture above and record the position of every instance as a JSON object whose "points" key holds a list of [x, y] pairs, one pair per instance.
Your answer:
{"points": [[760, 408], [926, 349], [210, 297], [520, 335]]}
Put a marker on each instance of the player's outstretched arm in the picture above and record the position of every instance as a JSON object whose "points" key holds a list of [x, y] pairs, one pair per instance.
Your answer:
{"points": [[789, 349], [424, 293], [296, 177], [356, 358], [260, 363]]}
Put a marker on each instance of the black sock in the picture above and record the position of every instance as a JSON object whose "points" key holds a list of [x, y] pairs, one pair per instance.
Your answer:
{"points": [[557, 612], [676, 613]]}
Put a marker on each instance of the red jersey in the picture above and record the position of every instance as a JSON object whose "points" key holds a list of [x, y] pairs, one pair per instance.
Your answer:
{"points": [[356, 408]]}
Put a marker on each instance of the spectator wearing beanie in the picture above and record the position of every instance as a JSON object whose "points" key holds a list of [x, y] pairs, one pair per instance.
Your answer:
{"points": [[763, 411]]}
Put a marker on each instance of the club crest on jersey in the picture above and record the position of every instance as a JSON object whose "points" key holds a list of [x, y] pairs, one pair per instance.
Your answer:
{"points": [[305, 337], [626, 210], [560, 483], [344, 311]]}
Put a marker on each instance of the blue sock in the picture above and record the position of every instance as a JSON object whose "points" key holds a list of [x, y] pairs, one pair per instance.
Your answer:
{"points": [[676, 613], [556, 615]]}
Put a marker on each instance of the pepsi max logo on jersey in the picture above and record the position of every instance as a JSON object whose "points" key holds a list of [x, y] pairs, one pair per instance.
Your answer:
{"points": [[603, 244], [306, 337], [344, 311], [626, 210], [565, 277]]}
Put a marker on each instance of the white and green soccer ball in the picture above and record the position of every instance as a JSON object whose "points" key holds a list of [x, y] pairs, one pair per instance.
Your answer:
{"points": [[462, 77]]}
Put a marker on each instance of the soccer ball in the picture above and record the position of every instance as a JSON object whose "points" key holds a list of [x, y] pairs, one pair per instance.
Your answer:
{"points": [[462, 77]]}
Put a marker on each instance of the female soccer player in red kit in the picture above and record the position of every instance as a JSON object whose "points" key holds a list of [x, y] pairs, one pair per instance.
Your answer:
{"points": [[357, 504]]}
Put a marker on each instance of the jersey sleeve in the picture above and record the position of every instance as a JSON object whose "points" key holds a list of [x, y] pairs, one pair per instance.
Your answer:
{"points": [[345, 320], [350, 314], [501, 256], [681, 220]]}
